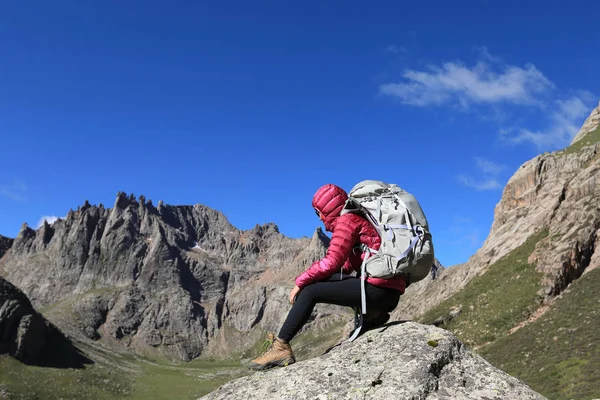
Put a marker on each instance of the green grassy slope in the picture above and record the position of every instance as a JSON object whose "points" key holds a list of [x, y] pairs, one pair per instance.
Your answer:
{"points": [[115, 376], [496, 301], [559, 354], [589, 139]]}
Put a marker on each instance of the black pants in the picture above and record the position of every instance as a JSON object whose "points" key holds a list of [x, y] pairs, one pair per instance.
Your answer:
{"points": [[344, 292]]}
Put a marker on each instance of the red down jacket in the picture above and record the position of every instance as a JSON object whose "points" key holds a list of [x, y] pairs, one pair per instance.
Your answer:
{"points": [[348, 230]]}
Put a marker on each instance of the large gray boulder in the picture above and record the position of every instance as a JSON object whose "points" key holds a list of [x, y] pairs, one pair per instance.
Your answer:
{"points": [[399, 361], [28, 336], [22, 330]]}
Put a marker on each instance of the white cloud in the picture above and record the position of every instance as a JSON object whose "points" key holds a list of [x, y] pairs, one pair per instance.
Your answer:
{"points": [[565, 120], [457, 84], [489, 170], [485, 55], [50, 218], [492, 83], [487, 183], [488, 167], [572, 108], [396, 49], [15, 191]]}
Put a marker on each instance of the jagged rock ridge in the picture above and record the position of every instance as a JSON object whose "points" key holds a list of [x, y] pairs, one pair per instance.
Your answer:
{"points": [[5, 244], [400, 361], [165, 278]]}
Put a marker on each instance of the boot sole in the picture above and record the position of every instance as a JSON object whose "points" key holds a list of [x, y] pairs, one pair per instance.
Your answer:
{"points": [[284, 362]]}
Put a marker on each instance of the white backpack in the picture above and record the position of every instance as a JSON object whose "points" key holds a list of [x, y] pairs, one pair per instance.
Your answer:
{"points": [[406, 246]]}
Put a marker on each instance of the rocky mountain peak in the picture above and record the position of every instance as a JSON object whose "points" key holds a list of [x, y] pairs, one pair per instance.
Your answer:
{"points": [[265, 229], [165, 279], [25, 232], [591, 124], [121, 201], [320, 237]]}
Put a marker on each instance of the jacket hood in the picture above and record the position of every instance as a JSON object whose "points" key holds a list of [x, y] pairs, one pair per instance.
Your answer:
{"points": [[329, 200]]}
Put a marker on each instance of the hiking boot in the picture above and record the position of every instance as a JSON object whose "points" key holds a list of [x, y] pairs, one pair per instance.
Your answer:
{"points": [[374, 319], [277, 354]]}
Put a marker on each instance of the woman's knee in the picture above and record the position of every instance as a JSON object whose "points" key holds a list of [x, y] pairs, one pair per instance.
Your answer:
{"points": [[308, 293], [311, 293]]}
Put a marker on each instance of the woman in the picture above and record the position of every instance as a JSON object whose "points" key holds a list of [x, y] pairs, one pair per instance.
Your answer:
{"points": [[318, 284]]}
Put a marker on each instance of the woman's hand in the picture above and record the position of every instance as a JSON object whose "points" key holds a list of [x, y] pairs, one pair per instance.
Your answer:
{"points": [[294, 294]]}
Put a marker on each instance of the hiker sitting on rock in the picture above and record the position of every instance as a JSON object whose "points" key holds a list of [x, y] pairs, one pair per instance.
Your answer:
{"points": [[318, 284]]}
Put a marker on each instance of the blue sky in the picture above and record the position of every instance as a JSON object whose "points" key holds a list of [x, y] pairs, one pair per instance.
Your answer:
{"points": [[248, 107]]}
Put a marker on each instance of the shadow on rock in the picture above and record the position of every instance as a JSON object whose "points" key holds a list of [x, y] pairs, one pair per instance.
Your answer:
{"points": [[27, 336], [59, 352], [381, 329]]}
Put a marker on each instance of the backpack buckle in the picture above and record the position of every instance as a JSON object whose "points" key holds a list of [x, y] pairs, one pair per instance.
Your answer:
{"points": [[360, 247]]}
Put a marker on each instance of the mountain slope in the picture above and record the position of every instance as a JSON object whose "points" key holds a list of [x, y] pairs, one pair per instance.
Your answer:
{"points": [[559, 353], [557, 191], [5, 244], [526, 281], [28, 337], [161, 279], [589, 127]]}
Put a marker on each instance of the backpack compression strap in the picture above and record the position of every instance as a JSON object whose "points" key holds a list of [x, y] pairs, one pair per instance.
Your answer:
{"points": [[363, 296], [417, 230]]}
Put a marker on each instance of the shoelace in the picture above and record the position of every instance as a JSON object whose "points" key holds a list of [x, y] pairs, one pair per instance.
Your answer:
{"points": [[267, 346]]}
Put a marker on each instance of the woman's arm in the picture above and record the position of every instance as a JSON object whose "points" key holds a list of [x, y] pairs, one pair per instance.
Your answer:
{"points": [[343, 238]]}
